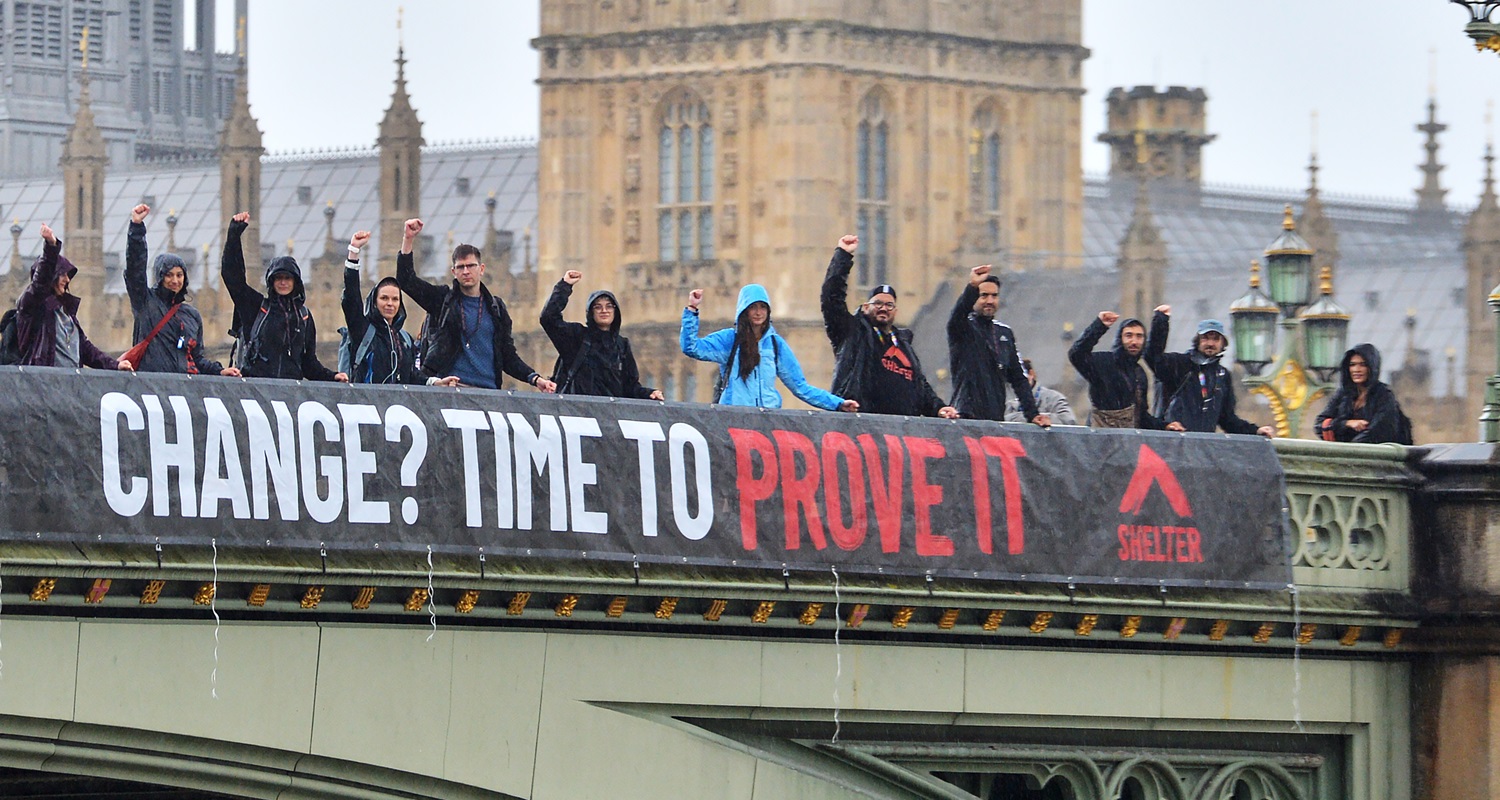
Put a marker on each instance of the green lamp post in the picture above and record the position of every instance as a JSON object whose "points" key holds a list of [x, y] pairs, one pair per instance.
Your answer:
{"points": [[1306, 356], [1489, 418]]}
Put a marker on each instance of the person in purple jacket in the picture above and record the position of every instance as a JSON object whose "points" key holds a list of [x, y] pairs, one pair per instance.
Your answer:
{"points": [[48, 333]]}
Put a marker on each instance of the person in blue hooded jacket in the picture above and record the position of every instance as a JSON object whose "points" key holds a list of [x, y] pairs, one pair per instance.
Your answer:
{"points": [[752, 356]]}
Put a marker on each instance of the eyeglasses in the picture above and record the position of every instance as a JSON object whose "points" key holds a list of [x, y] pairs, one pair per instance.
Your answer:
{"points": [[466, 267], [881, 305], [604, 306]]}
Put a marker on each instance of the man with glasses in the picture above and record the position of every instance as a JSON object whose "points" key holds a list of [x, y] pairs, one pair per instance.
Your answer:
{"points": [[469, 329], [984, 356], [874, 361]]}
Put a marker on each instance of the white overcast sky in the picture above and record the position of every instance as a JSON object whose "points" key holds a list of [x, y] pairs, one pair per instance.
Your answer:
{"points": [[321, 75]]}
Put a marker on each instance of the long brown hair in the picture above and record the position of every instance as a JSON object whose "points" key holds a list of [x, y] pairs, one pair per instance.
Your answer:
{"points": [[747, 343]]}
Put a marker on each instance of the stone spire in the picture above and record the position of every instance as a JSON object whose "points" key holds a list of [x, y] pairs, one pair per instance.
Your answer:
{"points": [[84, 158], [1143, 260], [1430, 208], [1316, 227], [1482, 265], [400, 146], [240, 150]]}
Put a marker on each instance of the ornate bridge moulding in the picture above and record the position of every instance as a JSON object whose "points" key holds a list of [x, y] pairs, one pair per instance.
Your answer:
{"points": [[187, 762]]}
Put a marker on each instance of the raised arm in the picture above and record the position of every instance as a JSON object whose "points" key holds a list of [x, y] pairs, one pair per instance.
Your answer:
{"points": [[1169, 368], [837, 321], [1081, 352], [136, 285], [232, 270], [565, 336], [714, 347], [352, 298], [427, 295], [45, 275]]}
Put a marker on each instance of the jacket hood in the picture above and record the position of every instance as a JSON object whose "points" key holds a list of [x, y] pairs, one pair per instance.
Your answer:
{"points": [[1119, 347], [752, 293], [1372, 360], [164, 263], [373, 314], [288, 265], [588, 310], [64, 267]]}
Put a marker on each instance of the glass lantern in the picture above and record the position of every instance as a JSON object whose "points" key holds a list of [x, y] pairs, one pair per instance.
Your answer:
{"points": [[1289, 268], [1253, 320], [1325, 330]]}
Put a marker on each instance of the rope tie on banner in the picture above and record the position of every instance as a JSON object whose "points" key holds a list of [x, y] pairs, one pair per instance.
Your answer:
{"points": [[213, 606], [1296, 656], [838, 656], [431, 609]]}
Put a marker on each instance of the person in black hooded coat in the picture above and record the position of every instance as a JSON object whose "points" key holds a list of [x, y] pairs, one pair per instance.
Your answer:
{"points": [[593, 358], [1197, 390], [178, 346], [392, 355], [1116, 380], [277, 330], [1363, 409]]}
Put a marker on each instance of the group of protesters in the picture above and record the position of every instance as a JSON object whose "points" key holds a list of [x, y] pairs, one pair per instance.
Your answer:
{"points": [[468, 341]]}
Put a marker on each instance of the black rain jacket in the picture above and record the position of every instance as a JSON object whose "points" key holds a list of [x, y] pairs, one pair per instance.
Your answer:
{"points": [[1201, 390], [1115, 377], [178, 346], [976, 349], [285, 343], [1387, 422], [390, 359], [607, 368]]}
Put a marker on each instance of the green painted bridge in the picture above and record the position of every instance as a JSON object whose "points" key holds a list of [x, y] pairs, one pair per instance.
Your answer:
{"points": [[127, 671]]}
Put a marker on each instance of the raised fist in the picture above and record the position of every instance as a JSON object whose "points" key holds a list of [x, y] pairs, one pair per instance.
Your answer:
{"points": [[1108, 318], [243, 216], [976, 275], [1164, 310], [48, 234], [359, 240], [572, 277], [413, 227], [138, 214], [848, 242], [695, 298]]}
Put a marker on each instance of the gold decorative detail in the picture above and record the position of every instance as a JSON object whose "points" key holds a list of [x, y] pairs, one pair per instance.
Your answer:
{"points": [[1492, 43], [363, 598], [857, 615], [1306, 633], [565, 605], [1216, 633], [616, 607], [1174, 629], [1086, 625], [715, 610], [948, 619], [152, 592], [1040, 622], [312, 597], [762, 611], [1392, 638], [1131, 627], [1287, 391], [467, 601], [97, 591], [1325, 280], [666, 607], [1254, 274], [1351, 635], [810, 614], [992, 622], [205, 594], [258, 595], [1287, 223], [517, 604], [902, 617], [416, 600], [1263, 634], [42, 591]]}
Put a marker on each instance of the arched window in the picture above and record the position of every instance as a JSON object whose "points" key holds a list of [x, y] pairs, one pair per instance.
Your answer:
{"points": [[685, 175], [985, 170], [872, 186]]}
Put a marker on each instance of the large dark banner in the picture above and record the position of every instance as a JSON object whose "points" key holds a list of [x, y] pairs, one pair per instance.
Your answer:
{"points": [[147, 458]]}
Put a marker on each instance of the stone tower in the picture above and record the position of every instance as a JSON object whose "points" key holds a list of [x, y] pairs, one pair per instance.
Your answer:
{"points": [[83, 161], [1316, 227], [1159, 133], [689, 145], [400, 144], [1143, 261], [240, 150], [1430, 208], [1482, 258]]}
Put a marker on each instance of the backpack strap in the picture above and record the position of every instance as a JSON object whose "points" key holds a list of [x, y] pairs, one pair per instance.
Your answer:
{"points": [[363, 350], [577, 362]]}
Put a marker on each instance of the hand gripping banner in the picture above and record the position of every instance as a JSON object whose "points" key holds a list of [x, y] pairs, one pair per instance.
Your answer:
{"points": [[144, 458]]}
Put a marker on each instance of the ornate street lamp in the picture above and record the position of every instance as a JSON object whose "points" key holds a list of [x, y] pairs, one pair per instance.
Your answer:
{"points": [[1311, 345], [1325, 328], [1486, 34], [1289, 267], [1253, 320], [1489, 418]]}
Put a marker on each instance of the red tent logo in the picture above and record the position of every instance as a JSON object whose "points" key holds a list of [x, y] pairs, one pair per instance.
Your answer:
{"points": [[1151, 470]]}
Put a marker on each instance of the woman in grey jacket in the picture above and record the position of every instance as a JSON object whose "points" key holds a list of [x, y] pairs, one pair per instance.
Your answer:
{"points": [[178, 345]]}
